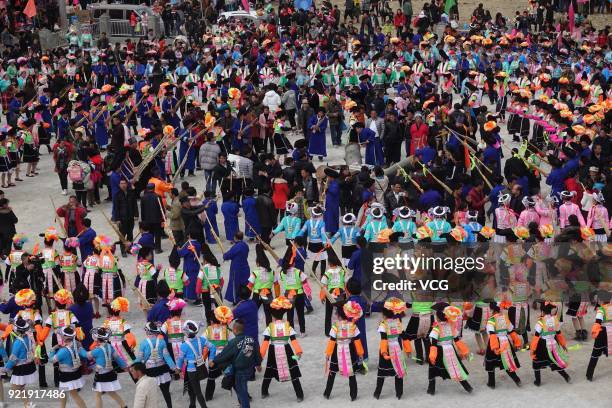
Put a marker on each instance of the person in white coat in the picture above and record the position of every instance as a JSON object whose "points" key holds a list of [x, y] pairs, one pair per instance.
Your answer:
{"points": [[147, 393]]}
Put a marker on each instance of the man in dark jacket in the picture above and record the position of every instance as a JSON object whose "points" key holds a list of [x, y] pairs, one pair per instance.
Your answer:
{"points": [[8, 219], [266, 213], [150, 211], [125, 210], [242, 353]]}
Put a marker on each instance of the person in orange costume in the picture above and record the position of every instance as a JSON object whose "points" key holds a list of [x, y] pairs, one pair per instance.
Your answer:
{"points": [[161, 187], [57, 320], [601, 332], [122, 339], [447, 349], [502, 343], [342, 344], [393, 344], [285, 351], [548, 345]]}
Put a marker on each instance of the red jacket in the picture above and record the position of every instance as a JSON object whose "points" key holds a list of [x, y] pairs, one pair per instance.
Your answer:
{"points": [[418, 137], [399, 20], [280, 194], [80, 214]]}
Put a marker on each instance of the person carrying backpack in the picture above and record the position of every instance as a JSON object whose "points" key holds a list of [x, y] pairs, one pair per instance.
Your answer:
{"points": [[78, 174]]}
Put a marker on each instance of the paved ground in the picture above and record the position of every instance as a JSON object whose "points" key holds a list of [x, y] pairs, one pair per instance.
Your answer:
{"points": [[31, 202]]}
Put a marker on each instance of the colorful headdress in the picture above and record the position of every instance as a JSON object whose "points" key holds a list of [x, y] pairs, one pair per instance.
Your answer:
{"points": [[120, 304], [490, 125], [281, 303], [168, 130], [234, 93], [176, 304], [352, 310], [395, 305], [51, 234], [487, 231], [102, 241], [452, 313], [25, 297], [63, 297], [547, 230], [209, 120], [459, 234], [424, 232], [521, 232], [19, 239], [587, 233], [224, 314]]}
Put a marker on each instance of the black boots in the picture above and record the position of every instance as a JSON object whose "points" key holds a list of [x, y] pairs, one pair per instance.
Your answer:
{"points": [[591, 368], [491, 381], [565, 376], [538, 378], [581, 335], [466, 386], [514, 377], [431, 389]]}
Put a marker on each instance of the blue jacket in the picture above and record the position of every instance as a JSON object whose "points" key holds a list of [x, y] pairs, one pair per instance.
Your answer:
{"points": [[189, 346], [239, 269], [159, 312], [147, 345], [247, 311]]}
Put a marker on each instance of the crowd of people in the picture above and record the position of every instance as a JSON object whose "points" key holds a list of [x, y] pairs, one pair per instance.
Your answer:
{"points": [[493, 138]]}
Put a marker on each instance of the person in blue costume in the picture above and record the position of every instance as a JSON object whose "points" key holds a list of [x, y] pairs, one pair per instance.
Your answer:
{"points": [[159, 311], [353, 291], [332, 201], [404, 224], [187, 150], [191, 359], [317, 125], [440, 227], [250, 214], [146, 110], [69, 356], [239, 267], [290, 224], [170, 107], [86, 238], [314, 230], [374, 153], [154, 353], [354, 263], [347, 234], [106, 359], [230, 210], [147, 239], [190, 252], [210, 203], [100, 116], [20, 365]]}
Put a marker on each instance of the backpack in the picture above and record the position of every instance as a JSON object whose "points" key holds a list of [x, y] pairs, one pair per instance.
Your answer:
{"points": [[75, 173]]}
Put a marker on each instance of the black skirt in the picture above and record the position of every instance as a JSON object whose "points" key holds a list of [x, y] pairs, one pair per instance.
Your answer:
{"points": [[333, 362], [14, 157], [282, 144], [30, 154], [385, 367], [475, 321], [542, 359], [347, 251], [157, 371], [106, 377], [271, 368], [438, 369], [66, 376], [25, 369], [413, 326], [493, 361], [516, 320], [5, 164]]}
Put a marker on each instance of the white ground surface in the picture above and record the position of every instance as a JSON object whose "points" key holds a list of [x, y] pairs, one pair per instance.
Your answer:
{"points": [[30, 201]]}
